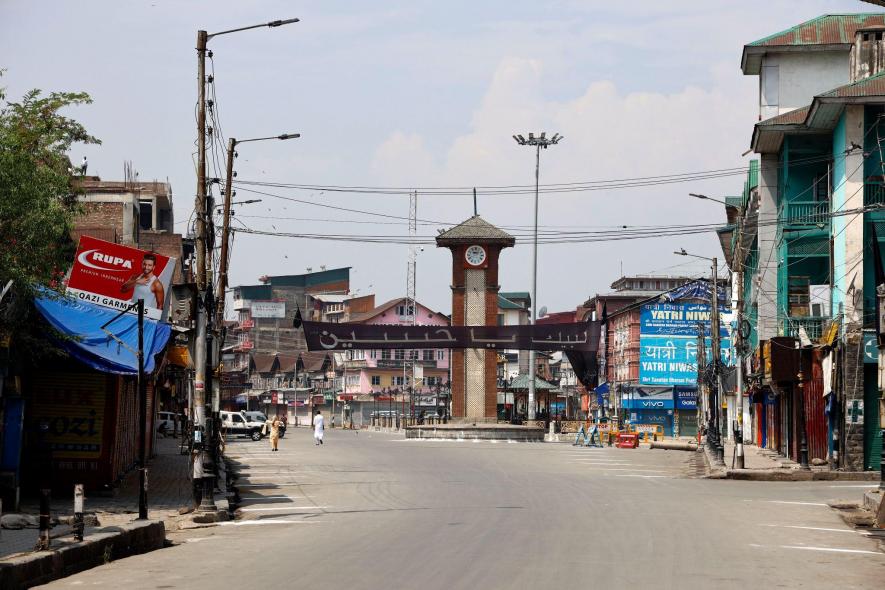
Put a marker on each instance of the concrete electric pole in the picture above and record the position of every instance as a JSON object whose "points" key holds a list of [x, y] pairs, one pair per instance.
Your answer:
{"points": [[203, 256]]}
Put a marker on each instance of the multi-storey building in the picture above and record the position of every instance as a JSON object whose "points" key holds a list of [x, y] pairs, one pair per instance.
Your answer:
{"points": [[803, 236], [265, 312], [413, 377]]}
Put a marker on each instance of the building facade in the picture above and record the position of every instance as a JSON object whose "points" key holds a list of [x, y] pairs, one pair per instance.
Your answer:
{"points": [[804, 237]]}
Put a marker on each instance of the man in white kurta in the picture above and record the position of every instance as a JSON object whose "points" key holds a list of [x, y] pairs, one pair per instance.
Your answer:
{"points": [[318, 423]]}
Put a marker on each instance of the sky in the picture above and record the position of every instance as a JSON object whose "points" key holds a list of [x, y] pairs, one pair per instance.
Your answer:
{"points": [[418, 95]]}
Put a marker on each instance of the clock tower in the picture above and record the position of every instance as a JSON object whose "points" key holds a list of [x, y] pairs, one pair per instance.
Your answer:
{"points": [[475, 245]]}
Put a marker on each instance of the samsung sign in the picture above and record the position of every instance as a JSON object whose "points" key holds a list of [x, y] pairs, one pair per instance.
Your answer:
{"points": [[686, 399]]}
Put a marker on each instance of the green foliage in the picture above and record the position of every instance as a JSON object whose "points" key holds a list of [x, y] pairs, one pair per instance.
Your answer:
{"points": [[37, 195]]}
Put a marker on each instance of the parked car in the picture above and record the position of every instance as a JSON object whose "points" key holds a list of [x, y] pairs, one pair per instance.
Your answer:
{"points": [[236, 423]]}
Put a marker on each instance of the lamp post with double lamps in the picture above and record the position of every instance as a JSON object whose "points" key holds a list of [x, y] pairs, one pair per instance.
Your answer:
{"points": [[714, 423], [538, 142]]}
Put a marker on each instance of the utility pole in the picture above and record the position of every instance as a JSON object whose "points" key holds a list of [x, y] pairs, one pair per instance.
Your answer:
{"points": [[142, 420], [201, 240], [703, 402], [203, 257], [739, 347], [715, 352]]}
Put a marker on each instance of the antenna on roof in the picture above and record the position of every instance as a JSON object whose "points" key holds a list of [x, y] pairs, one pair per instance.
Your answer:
{"points": [[475, 213]]}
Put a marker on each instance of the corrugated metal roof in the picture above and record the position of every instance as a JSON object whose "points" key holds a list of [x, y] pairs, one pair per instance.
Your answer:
{"points": [[254, 292], [872, 86], [828, 29], [311, 279], [475, 228], [796, 117], [504, 303]]}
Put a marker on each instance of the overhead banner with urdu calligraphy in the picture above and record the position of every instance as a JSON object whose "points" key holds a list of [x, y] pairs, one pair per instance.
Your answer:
{"points": [[328, 336]]}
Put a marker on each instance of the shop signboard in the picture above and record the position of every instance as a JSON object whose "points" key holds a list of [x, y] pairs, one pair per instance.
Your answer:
{"points": [[268, 309], [648, 398], [668, 339], [686, 399], [116, 276]]}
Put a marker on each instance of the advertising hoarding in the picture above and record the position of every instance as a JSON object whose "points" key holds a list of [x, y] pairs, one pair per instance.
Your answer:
{"points": [[668, 342], [269, 309], [116, 276]]}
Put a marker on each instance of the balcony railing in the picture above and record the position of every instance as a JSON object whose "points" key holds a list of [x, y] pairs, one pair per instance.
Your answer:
{"points": [[805, 213], [813, 325], [874, 193]]}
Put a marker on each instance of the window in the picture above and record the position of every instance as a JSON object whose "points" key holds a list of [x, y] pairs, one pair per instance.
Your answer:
{"points": [[500, 319], [428, 355], [769, 84], [373, 354], [433, 381], [236, 418], [413, 355], [440, 355], [145, 214], [376, 379], [385, 354], [400, 381], [399, 354]]}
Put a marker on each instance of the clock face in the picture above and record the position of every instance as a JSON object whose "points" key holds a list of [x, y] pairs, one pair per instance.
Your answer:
{"points": [[475, 255]]}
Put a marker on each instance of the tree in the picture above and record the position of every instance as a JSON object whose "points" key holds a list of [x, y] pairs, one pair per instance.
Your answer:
{"points": [[37, 197]]}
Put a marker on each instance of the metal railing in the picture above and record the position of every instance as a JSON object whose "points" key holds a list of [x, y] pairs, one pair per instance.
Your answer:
{"points": [[813, 325], [874, 193], [805, 213]]}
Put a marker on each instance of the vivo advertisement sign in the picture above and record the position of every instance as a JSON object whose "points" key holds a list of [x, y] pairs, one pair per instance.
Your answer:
{"points": [[648, 398], [668, 342]]}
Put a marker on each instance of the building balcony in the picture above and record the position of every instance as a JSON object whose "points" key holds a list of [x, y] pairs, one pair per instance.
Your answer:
{"points": [[245, 345], [814, 326], [874, 193], [805, 213], [400, 363]]}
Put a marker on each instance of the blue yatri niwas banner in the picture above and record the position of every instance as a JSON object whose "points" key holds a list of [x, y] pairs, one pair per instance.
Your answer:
{"points": [[673, 360], [677, 319]]}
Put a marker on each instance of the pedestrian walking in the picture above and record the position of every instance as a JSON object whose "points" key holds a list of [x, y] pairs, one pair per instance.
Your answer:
{"points": [[275, 425], [318, 424]]}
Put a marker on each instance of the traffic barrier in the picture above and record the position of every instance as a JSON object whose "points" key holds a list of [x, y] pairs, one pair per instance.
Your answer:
{"points": [[647, 432], [628, 441]]}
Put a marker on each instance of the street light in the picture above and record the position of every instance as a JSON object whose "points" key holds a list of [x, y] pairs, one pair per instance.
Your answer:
{"points": [[542, 141], [714, 423], [203, 219], [225, 231], [706, 198]]}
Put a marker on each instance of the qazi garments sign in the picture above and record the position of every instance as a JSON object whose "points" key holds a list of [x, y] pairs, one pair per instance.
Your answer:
{"points": [[668, 340], [268, 309], [117, 276]]}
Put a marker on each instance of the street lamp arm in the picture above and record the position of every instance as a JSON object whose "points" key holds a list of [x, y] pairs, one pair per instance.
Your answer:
{"points": [[706, 198], [282, 137], [271, 24], [682, 252]]}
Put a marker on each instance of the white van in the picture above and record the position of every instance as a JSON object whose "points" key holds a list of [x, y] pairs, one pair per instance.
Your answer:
{"points": [[236, 423]]}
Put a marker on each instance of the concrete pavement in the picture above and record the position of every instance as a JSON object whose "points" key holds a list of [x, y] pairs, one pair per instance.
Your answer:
{"points": [[373, 510]]}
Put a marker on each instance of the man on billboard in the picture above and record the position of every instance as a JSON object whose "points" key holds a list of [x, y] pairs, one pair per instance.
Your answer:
{"points": [[146, 285]]}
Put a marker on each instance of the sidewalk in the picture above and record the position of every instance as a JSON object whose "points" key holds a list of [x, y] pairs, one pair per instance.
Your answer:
{"points": [[767, 465], [169, 489]]}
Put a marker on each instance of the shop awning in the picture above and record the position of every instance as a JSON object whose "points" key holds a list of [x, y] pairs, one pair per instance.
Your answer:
{"points": [[89, 344], [179, 356]]}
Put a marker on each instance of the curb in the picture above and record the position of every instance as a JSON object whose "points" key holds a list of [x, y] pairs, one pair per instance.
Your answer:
{"points": [[41, 567], [800, 475]]}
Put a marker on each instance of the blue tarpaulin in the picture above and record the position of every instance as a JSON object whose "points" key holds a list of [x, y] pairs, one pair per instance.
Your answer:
{"points": [[94, 347]]}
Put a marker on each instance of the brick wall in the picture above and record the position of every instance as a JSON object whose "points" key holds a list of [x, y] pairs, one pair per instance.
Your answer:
{"points": [[102, 215]]}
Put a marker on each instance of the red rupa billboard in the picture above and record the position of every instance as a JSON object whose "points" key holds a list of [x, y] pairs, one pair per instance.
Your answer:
{"points": [[117, 276]]}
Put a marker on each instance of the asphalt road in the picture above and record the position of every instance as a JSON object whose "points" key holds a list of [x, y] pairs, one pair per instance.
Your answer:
{"points": [[374, 511]]}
